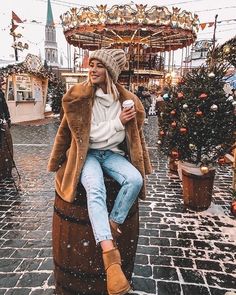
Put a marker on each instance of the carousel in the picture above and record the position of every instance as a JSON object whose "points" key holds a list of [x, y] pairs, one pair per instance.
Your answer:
{"points": [[149, 35]]}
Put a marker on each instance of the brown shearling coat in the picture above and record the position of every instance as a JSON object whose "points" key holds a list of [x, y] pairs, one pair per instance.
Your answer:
{"points": [[72, 139]]}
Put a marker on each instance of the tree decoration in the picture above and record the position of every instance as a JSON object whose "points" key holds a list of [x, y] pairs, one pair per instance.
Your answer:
{"points": [[183, 130], [208, 134], [233, 204], [230, 98], [226, 52], [166, 96], [162, 133], [185, 106], [203, 96], [214, 107], [204, 169], [180, 95], [174, 154], [192, 146], [173, 124], [211, 75], [199, 113]]}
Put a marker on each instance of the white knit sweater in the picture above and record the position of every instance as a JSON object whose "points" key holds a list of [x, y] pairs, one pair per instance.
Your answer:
{"points": [[107, 131]]}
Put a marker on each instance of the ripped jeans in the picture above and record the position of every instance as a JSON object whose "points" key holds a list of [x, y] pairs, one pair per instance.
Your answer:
{"points": [[120, 169]]}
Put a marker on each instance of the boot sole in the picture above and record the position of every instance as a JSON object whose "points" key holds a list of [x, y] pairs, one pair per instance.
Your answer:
{"points": [[123, 292]]}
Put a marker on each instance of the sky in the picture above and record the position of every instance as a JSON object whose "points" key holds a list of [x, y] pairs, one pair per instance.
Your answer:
{"points": [[35, 12]]}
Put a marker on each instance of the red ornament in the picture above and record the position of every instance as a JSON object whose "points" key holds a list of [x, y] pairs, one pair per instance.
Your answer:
{"points": [[162, 133], [173, 124], [180, 95], [174, 154], [203, 96], [233, 207], [199, 113], [183, 130], [173, 112], [221, 160]]}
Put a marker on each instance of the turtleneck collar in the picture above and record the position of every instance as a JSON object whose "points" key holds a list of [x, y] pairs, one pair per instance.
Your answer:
{"points": [[104, 99]]}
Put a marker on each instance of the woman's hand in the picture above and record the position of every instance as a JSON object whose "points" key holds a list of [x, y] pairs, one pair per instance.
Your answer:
{"points": [[126, 115]]}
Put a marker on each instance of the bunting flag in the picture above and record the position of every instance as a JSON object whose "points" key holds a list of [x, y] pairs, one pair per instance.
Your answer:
{"points": [[209, 24], [13, 27], [16, 18]]}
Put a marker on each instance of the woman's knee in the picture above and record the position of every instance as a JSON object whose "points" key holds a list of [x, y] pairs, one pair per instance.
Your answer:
{"points": [[135, 179]]}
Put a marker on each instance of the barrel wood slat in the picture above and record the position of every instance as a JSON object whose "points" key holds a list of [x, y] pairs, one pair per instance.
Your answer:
{"points": [[77, 259]]}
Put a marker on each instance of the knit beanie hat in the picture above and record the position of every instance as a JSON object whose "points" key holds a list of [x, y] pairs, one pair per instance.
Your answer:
{"points": [[114, 60]]}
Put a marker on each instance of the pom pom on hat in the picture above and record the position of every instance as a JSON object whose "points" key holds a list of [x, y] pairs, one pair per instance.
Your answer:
{"points": [[114, 60]]}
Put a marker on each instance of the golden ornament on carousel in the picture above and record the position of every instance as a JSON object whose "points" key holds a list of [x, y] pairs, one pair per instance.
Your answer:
{"points": [[204, 169]]}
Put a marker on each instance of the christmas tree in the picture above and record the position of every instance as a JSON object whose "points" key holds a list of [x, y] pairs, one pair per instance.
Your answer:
{"points": [[56, 90], [198, 123]]}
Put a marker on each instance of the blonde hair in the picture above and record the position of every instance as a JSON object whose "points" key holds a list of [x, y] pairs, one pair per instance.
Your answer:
{"points": [[111, 87]]}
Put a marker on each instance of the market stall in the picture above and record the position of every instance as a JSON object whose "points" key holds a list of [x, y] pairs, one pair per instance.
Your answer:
{"points": [[26, 89]]}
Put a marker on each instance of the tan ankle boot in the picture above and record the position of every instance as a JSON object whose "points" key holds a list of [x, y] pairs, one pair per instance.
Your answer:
{"points": [[117, 284]]}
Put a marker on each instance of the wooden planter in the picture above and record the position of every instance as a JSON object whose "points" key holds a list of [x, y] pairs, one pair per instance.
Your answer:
{"points": [[6, 152], [77, 259], [197, 190]]}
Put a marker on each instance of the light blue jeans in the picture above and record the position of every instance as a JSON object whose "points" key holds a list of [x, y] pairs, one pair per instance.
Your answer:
{"points": [[120, 169]]}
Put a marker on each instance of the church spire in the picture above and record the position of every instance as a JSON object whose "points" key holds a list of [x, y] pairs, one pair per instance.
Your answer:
{"points": [[50, 44], [50, 21]]}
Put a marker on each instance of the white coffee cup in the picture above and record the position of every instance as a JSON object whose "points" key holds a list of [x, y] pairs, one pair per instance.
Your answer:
{"points": [[128, 104]]}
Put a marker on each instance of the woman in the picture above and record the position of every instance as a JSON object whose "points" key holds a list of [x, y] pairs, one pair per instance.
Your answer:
{"points": [[89, 141]]}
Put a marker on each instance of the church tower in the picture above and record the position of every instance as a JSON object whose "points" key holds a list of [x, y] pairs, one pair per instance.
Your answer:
{"points": [[50, 44]]}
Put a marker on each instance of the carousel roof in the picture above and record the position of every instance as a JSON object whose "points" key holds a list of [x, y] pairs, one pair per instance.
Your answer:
{"points": [[156, 27]]}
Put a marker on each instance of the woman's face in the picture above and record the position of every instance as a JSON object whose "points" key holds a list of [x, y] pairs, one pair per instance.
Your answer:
{"points": [[97, 72]]}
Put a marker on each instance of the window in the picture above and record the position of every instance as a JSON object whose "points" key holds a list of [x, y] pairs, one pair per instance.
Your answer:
{"points": [[23, 88]]}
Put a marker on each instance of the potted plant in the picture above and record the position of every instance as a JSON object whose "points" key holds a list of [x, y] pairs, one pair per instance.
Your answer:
{"points": [[197, 127]]}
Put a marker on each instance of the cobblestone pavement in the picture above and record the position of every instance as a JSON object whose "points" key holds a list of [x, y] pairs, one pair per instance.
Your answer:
{"points": [[179, 252]]}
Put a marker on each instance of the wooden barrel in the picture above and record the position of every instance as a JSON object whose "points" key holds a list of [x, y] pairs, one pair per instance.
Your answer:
{"points": [[77, 259], [6, 152], [197, 190]]}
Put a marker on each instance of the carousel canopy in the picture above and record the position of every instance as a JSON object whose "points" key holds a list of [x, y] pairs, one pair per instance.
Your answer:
{"points": [[157, 27]]}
